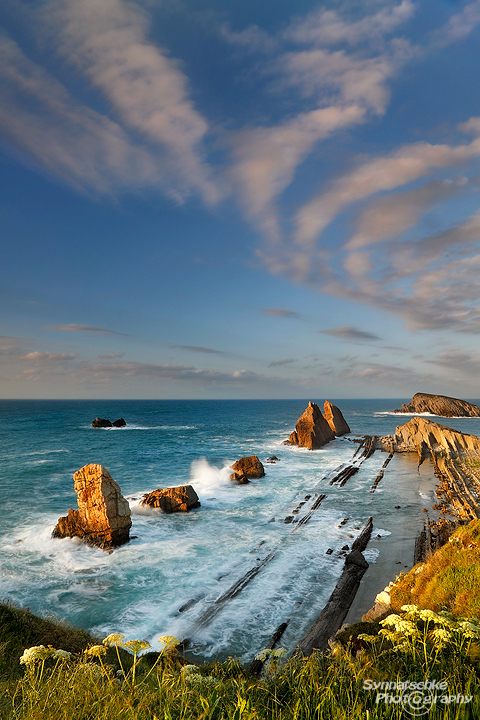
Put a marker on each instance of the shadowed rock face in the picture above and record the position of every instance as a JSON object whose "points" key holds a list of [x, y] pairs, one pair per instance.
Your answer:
{"points": [[440, 405], [170, 500], [421, 435], [333, 415], [103, 515], [312, 431], [247, 467]]}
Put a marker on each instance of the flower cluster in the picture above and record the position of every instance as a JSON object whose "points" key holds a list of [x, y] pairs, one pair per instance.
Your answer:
{"points": [[40, 653]]}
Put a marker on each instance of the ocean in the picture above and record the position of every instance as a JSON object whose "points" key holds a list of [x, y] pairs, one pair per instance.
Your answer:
{"points": [[227, 574]]}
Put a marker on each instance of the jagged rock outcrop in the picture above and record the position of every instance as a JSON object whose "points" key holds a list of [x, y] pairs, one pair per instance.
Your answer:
{"points": [[440, 405], [247, 468], [175, 499], [312, 431], [103, 515], [426, 437], [101, 423], [333, 416]]}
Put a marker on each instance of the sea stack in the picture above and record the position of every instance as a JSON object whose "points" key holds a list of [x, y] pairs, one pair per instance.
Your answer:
{"points": [[440, 405], [312, 431], [333, 415], [103, 515]]}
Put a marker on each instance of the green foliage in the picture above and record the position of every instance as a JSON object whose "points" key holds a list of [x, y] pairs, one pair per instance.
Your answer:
{"points": [[449, 580], [414, 645]]}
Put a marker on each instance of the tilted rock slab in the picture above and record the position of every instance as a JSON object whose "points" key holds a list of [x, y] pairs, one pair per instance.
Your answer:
{"points": [[441, 405], [423, 436], [247, 468], [333, 415], [103, 515], [175, 499], [312, 431]]}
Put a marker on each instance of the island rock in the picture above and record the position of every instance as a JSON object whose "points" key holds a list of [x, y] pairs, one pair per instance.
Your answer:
{"points": [[247, 467], [119, 423], [174, 499], [333, 415], [312, 431], [101, 423], [440, 405], [103, 515]]}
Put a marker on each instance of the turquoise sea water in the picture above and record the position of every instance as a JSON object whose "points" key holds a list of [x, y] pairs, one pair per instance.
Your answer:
{"points": [[190, 559]]}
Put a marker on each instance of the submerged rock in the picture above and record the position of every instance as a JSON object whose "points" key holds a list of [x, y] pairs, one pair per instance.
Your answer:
{"points": [[175, 499], [333, 415], [101, 423], [441, 405], [312, 431], [247, 467], [103, 515]]}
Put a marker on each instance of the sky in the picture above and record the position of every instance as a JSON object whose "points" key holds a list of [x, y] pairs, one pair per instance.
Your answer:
{"points": [[203, 199]]}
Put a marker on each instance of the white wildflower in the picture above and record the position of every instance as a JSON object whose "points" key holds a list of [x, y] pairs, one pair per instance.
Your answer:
{"points": [[36, 653], [62, 655], [114, 639]]}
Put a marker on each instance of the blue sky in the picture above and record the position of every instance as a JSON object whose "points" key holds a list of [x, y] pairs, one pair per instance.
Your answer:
{"points": [[243, 200]]}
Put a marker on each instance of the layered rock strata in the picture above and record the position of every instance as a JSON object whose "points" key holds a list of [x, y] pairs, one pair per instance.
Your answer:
{"points": [[456, 460], [312, 431], [441, 405], [175, 499], [333, 416], [247, 468], [103, 515]]}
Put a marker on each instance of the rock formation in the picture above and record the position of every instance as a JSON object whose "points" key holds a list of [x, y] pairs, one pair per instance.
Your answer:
{"points": [[174, 499], [103, 515], [247, 468], [439, 405], [333, 415], [101, 423], [312, 431], [424, 437]]}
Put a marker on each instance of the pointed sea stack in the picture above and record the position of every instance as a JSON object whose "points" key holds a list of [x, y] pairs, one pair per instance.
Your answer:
{"points": [[333, 415], [312, 431], [103, 515]]}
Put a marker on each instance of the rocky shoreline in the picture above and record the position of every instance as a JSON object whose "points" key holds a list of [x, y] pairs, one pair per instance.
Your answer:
{"points": [[103, 517]]}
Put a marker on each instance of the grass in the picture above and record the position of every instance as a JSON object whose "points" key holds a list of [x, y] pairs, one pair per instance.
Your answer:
{"points": [[449, 580], [411, 644]]}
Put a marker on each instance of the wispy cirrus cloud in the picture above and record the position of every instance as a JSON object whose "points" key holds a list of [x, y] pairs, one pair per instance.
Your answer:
{"points": [[151, 138], [73, 327], [197, 349], [279, 312], [279, 363], [350, 333]]}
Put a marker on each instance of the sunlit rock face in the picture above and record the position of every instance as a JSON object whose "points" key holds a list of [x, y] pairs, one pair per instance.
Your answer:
{"points": [[174, 499], [247, 468], [103, 515], [333, 415], [420, 434], [440, 405], [312, 431]]}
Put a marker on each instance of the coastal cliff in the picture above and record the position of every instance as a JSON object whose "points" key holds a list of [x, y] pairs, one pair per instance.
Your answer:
{"points": [[440, 405]]}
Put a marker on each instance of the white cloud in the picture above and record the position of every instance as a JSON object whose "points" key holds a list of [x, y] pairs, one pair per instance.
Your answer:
{"points": [[327, 27], [42, 357], [82, 328], [107, 40], [403, 166]]}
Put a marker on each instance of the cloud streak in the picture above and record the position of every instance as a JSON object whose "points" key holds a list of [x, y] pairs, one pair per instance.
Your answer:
{"points": [[350, 333]]}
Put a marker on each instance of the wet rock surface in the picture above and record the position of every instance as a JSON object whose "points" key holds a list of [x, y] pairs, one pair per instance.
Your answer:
{"points": [[175, 499]]}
